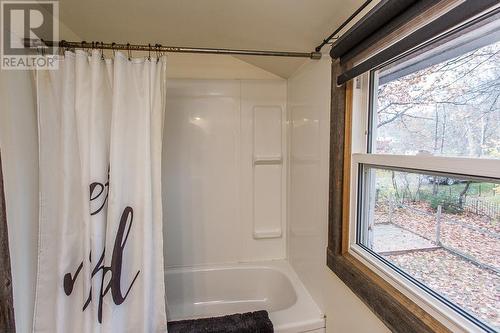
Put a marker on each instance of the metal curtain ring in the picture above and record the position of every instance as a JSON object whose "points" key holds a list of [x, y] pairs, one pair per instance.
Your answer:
{"points": [[158, 52], [62, 47]]}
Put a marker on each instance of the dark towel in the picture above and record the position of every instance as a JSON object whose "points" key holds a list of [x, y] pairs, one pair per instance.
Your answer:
{"points": [[250, 322]]}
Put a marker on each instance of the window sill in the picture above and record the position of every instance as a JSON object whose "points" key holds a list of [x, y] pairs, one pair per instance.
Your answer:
{"points": [[398, 312]]}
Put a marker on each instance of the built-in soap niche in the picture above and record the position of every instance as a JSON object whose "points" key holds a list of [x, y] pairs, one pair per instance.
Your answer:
{"points": [[267, 171]]}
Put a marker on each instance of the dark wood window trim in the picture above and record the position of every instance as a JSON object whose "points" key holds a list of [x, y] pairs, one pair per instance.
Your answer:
{"points": [[398, 312], [6, 299]]}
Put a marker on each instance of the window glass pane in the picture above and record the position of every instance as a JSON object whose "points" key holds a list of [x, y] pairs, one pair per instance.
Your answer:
{"points": [[444, 231], [451, 108]]}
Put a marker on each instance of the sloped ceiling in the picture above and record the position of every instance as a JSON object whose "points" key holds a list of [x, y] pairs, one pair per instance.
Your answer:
{"points": [[284, 25]]}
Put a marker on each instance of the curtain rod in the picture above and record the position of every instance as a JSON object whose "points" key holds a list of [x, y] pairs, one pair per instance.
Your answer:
{"points": [[36, 43], [346, 22]]}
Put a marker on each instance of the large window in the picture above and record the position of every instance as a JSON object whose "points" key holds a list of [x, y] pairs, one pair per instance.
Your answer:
{"points": [[451, 108], [426, 188]]}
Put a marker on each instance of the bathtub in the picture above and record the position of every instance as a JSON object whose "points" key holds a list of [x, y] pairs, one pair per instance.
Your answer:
{"points": [[208, 291]]}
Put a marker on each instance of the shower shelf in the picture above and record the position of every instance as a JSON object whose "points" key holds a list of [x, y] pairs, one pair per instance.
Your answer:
{"points": [[263, 234], [262, 160]]}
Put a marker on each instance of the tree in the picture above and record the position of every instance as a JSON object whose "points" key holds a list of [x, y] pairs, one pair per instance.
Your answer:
{"points": [[450, 108], [463, 193]]}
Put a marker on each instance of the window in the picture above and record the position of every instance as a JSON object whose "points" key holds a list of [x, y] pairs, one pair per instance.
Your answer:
{"points": [[425, 201], [451, 108]]}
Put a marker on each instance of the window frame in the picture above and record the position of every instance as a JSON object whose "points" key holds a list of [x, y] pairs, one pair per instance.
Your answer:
{"points": [[448, 313], [364, 155], [392, 296], [451, 315], [396, 310]]}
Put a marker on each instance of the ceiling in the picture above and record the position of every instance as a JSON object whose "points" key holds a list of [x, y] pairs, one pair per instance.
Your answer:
{"points": [[283, 25]]}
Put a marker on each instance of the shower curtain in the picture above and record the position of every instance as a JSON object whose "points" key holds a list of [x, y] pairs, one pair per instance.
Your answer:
{"points": [[100, 257]]}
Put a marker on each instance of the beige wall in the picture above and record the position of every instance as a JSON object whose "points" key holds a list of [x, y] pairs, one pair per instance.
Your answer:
{"points": [[208, 66], [308, 115], [212, 66]]}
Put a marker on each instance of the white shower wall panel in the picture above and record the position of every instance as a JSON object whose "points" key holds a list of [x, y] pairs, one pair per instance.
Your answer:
{"points": [[209, 171]]}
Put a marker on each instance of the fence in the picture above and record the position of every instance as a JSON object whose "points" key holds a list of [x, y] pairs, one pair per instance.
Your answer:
{"points": [[481, 207], [438, 219]]}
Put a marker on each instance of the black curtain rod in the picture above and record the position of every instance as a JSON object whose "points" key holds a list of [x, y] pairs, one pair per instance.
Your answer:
{"points": [[35, 43], [346, 22]]}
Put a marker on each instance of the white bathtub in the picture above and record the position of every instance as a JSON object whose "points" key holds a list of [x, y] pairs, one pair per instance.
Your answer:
{"points": [[206, 291]]}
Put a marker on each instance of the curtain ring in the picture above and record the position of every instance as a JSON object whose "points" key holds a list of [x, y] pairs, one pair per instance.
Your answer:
{"points": [[102, 50], [61, 47], [113, 48], [158, 52], [128, 52], [42, 48], [149, 52]]}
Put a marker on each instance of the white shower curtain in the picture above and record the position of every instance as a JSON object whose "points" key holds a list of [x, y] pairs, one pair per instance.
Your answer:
{"points": [[100, 258]]}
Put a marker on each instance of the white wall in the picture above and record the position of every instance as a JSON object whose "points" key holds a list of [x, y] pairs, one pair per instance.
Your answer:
{"points": [[212, 66], [218, 206], [309, 117]]}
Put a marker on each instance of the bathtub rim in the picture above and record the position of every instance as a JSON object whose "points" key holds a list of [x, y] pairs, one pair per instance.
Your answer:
{"points": [[304, 315]]}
